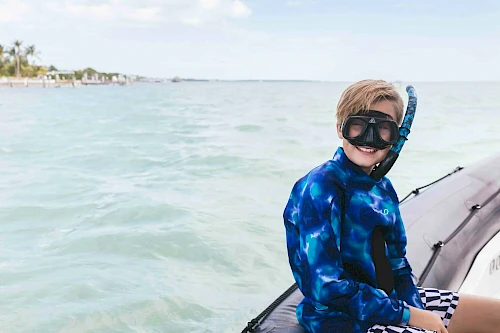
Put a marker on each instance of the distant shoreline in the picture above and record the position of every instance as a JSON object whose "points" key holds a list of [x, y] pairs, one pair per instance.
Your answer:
{"points": [[57, 83]]}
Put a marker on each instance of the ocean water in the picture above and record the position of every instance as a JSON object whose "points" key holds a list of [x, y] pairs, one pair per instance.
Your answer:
{"points": [[158, 207]]}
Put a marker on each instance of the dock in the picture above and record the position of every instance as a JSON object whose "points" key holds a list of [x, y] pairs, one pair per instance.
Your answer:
{"points": [[55, 81]]}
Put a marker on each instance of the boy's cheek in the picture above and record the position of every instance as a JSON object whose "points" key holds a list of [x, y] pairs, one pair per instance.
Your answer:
{"points": [[384, 153]]}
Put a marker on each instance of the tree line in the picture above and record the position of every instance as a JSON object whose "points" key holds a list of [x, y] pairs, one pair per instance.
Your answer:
{"points": [[20, 61]]}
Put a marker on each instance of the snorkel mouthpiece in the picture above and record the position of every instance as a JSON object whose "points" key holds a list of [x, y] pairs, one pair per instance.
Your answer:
{"points": [[383, 168]]}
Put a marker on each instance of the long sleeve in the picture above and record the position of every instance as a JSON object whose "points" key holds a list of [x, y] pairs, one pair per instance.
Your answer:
{"points": [[404, 282], [312, 221]]}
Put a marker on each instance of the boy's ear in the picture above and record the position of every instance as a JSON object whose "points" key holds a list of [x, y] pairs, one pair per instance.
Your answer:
{"points": [[339, 132]]}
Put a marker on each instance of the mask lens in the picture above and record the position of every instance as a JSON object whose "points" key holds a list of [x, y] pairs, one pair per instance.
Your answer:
{"points": [[386, 130], [355, 127]]}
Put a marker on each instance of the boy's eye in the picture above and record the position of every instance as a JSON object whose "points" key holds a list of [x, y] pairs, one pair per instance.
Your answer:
{"points": [[355, 127], [357, 122], [385, 130], [384, 126]]}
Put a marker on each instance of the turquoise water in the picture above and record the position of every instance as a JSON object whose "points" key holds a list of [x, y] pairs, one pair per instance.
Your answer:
{"points": [[157, 208]]}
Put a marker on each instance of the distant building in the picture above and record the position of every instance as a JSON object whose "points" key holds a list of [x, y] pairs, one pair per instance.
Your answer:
{"points": [[53, 73]]}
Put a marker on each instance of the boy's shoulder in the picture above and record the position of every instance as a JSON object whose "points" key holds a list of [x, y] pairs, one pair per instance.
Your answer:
{"points": [[386, 184], [328, 175]]}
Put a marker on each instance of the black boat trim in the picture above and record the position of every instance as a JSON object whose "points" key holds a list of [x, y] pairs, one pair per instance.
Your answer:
{"points": [[439, 245], [417, 190], [257, 320]]}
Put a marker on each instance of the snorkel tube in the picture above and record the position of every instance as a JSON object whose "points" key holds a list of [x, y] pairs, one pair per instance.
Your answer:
{"points": [[383, 168]]}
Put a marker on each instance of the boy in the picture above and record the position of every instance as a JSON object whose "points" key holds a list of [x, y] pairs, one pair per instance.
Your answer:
{"points": [[346, 239]]}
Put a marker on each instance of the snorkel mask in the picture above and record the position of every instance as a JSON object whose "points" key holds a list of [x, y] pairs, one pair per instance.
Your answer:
{"points": [[370, 129]]}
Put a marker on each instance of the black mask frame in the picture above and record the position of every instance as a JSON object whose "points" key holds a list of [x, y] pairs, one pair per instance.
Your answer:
{"points": [[369, 135]]}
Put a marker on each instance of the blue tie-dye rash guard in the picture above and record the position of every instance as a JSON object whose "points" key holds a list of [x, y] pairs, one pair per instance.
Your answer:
{"points": [[330, 256]]}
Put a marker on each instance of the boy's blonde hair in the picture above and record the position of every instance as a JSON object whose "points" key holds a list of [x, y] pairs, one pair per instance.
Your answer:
{"points": [[361, 95]]}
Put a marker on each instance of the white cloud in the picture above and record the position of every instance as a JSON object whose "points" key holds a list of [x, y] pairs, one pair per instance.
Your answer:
{"points": [[209, 4], [13, 11], [111, 11], [98, 11], [293, 3], [206, 11], [190, 12], [145, 14], [239, 9], [191, 21]]}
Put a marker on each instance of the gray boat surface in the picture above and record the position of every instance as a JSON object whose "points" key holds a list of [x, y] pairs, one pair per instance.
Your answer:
{"points": [[448, 224]]}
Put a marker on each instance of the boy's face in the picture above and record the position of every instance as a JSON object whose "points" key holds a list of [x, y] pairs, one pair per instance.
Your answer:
{"points": [[368, 157]]}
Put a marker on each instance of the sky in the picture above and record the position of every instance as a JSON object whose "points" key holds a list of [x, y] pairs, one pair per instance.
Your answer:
{"points": [[328, 40]]}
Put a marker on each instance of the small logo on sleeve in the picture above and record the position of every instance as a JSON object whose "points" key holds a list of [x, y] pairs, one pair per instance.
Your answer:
{"points": [[384, 212]]}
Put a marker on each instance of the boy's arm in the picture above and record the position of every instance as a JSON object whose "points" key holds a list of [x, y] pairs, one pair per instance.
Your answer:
{"points": [[403, 278], [310, 217]]}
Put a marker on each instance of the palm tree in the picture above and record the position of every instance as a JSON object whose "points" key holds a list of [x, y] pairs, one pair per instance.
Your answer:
{"points": [[2, 51], [17, 55], [11, 52], [31, 51]]}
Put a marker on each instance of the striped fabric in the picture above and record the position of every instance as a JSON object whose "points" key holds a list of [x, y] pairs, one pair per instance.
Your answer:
{"points": [[441, 302]]}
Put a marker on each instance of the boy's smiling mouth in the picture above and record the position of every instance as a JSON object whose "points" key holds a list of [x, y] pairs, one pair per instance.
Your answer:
{"points": [[367, 150]]}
